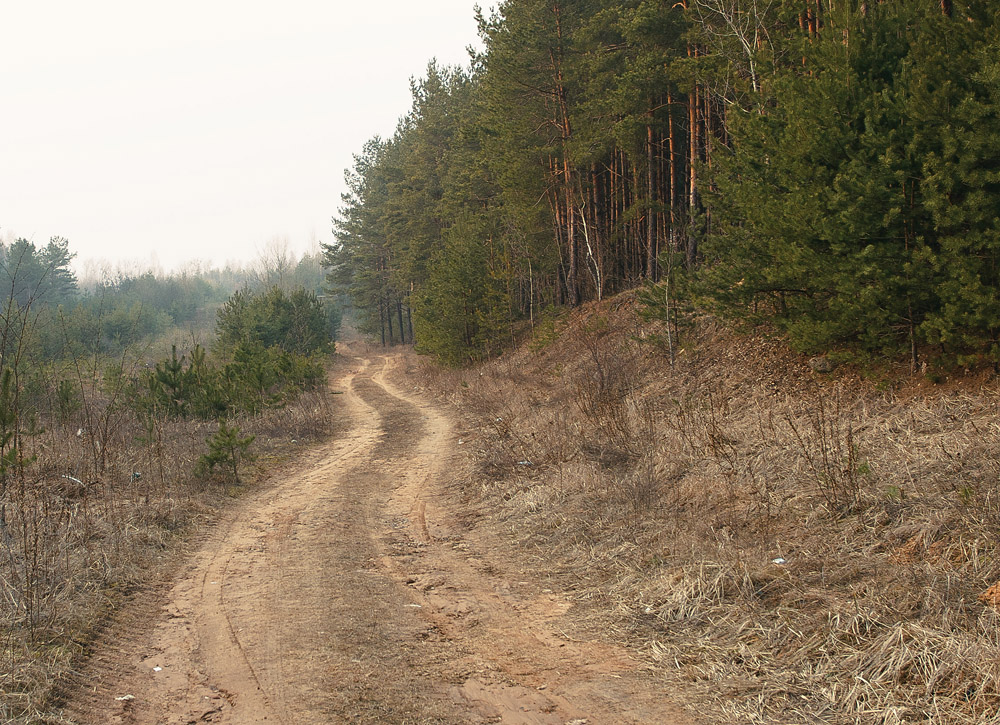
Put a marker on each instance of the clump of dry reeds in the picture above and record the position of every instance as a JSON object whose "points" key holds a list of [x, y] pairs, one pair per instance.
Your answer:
{"points": [[795, 548]]}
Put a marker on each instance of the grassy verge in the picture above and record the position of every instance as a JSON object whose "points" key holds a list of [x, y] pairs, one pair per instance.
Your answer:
{"points": [[97, 512], [789, 546]]}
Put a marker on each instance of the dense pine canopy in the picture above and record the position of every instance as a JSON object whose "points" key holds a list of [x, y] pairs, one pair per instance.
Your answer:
{"points": [[831, 167]]}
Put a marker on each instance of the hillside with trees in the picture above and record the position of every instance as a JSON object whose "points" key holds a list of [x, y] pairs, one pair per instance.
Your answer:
{"points": [[824, 167], [789, 544]]}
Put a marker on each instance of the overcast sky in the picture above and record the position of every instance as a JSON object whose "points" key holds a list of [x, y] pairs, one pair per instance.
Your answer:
{"points": [[201, 129]]}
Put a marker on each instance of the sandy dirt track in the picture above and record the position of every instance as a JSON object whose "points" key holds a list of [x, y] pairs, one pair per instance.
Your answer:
{"points": [[349, 590]]}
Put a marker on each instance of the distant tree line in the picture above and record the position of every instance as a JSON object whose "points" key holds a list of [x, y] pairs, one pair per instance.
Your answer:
{"points": [[63, 348], [827, 166], [47, 314]]}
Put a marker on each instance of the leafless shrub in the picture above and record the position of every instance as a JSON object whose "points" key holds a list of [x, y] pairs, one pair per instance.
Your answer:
{"points": [[828, 443], [605, 393]]}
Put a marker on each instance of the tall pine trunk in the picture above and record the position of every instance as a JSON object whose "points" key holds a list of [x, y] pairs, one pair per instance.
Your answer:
{"points": [[672, 141], [650, 213], [692, 241]]}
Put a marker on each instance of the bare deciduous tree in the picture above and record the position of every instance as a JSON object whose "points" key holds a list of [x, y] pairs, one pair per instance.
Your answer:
{"points": [[274, 262], [740, 22]]}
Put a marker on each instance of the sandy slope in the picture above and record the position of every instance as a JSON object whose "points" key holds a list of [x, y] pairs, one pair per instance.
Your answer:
{"points": [[349, 590]]}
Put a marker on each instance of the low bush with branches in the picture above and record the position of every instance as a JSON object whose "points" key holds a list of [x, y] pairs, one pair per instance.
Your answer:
{"points": [[228, 449]]}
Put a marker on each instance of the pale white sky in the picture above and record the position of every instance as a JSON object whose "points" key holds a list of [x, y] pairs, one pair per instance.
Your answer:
{"points": [[201, 129]]}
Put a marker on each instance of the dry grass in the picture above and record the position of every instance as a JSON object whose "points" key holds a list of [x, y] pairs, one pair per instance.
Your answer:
{"points": [[95, 512], [793, 547]]}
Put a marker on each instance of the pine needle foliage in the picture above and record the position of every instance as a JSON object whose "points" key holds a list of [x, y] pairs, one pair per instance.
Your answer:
{"points": [[827, 168], [228, 449]]}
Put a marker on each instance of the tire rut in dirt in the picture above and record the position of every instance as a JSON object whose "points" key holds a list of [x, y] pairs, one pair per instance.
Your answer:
{"points": [[299, 579], [382, 662], [402, 422]]}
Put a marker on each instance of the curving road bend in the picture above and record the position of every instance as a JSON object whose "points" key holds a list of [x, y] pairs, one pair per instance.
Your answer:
{"points": [[349, 591]]}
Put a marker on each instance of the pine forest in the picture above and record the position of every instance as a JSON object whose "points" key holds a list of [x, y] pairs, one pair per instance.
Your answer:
{"points": [[827, 167]]}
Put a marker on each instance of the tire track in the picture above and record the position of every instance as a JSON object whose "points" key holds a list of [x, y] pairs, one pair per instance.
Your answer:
{"points": [[349, 591]]}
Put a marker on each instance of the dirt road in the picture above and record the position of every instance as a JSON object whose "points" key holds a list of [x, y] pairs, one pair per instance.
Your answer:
{"points": [[349, 590]]}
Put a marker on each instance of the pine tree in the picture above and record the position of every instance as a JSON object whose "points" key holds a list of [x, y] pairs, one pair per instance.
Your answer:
{"points": [[227, 449], [956, 102], [819, 220]]}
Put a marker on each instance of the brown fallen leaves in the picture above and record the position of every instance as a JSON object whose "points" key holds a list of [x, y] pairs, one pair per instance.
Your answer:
{"points": [[991, 597]]}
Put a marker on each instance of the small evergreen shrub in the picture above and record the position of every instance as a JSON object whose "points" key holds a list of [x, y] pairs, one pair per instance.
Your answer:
{"points": [[228, 449]]}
